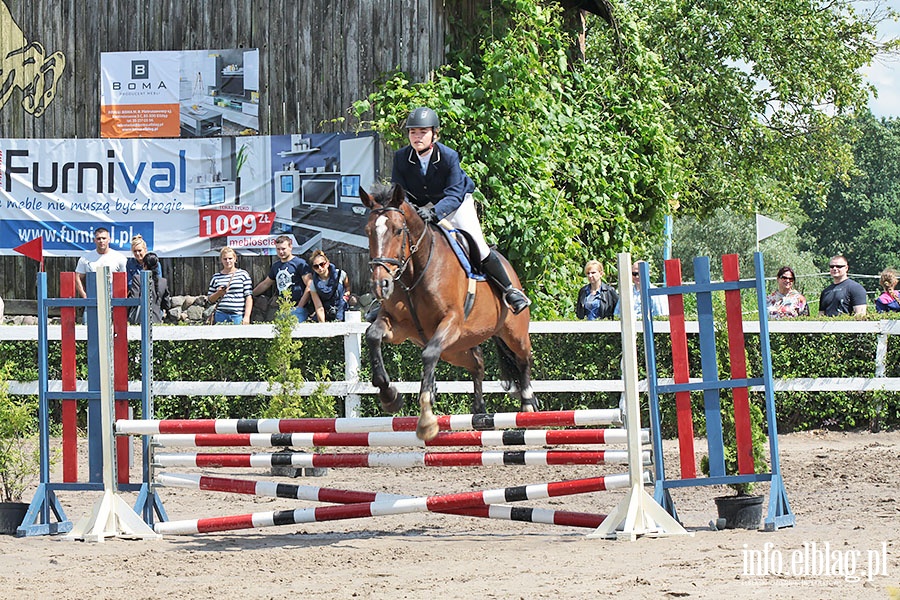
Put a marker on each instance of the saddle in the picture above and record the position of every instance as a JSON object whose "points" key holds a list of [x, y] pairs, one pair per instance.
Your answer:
{"points": [[462, 244]]}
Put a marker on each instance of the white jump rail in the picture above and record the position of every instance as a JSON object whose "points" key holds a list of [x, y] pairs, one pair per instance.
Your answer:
{"points": [[352, 332]]}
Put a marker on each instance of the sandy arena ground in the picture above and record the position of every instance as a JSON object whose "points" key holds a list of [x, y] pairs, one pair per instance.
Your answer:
{"points": [[842, 488]]}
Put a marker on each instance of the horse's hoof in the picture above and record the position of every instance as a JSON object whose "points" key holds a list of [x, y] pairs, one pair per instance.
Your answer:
{"points": [[394, 401], [427, 429], [530, 406]]}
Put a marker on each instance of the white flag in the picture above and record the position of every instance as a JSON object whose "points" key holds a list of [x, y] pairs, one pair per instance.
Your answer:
{"points": [[766, 227]]}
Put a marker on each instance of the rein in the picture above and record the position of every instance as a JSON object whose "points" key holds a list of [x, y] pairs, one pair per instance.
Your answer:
{"points": [[402, 263]]}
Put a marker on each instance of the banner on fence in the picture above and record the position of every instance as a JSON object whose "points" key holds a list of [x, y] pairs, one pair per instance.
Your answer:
{"points": [[186, 197]]}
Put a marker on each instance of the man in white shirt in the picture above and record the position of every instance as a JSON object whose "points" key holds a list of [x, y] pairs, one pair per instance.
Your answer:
{"points": [[103, 256], [659, 307]]}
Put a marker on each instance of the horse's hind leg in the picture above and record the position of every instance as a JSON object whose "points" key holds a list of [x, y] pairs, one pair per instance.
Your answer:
{"points": [[477, 374], [391, 400], [515, 366], [472, 360], [527, 399]]}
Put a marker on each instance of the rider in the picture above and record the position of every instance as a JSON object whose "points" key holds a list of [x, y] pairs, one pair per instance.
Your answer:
{"points": [[439, 189]]}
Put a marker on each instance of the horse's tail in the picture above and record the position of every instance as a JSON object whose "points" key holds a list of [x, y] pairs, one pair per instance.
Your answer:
{"points": [[510, 369]]}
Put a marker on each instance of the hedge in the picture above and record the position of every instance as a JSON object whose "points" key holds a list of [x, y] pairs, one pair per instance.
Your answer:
{"points": [[556, 356]]}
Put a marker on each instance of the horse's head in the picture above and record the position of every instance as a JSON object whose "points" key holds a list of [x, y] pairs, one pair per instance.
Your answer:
{"points": [[394, 230]]}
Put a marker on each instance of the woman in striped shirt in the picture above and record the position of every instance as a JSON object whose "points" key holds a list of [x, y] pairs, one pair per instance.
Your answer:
{"points": [[232, 288]]}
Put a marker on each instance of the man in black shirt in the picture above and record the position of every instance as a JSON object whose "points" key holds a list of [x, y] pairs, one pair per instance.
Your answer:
{"points": [[843, 296]]}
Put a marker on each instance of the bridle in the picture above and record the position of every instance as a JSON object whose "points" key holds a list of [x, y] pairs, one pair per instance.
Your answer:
{"points": [[401, 263]]}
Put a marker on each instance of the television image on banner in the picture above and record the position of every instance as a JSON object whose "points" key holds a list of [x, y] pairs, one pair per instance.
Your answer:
{"points": [[321, 193], [208, 196], [217, 195], [350, 186]]}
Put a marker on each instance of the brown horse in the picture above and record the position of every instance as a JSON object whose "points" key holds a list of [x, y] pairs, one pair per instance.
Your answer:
{"points": [[423, 290]]}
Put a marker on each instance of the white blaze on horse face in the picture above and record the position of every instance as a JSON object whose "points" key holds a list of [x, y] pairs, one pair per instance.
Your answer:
{"points": [[381, 230]]}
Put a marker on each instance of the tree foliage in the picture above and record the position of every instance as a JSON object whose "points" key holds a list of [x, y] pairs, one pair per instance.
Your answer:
{"points": [[678, 107], [757, 90], [861, 217], [572, 161]]}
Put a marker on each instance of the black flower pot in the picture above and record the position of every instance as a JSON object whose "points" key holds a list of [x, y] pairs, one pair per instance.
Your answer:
{"points": [[11, 516], [740, 512]]}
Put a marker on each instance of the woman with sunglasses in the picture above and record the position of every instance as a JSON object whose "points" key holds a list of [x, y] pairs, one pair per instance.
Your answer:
{"points": [[786, 302], [135, 264], [330, 285]]}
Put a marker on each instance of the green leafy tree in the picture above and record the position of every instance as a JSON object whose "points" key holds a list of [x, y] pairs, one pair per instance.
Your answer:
{"points": [[677, 108], [861, 216], [728, 231], [757, 91]]}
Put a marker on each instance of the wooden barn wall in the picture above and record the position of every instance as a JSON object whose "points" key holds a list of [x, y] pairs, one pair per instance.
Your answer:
{"points": [[316, 58]]}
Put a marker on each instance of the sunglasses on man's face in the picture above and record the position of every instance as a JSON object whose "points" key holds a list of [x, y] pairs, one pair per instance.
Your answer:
{"points": [[320, 265], [787, 278]]}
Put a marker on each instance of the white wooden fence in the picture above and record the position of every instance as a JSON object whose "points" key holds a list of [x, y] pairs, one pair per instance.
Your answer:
{"points": [[352, 331]]}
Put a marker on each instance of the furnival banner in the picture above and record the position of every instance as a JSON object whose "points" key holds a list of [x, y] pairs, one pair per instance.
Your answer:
{"points": [[182, 93], [186, 197]]}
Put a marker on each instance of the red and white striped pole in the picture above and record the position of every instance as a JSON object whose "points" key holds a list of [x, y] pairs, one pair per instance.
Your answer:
{"points": [[394, 507], [398, 439], [397, 460], [320, 494], [565, 418]]}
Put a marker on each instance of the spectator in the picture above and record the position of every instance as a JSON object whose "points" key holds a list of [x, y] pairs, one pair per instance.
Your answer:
{"points": [[843, 296], [102, 256], [332, 287], [232, 289], [658, 308], [889, 301], [786, 302], [160, 301], [135, 264], [596, 300], [290, 273]]}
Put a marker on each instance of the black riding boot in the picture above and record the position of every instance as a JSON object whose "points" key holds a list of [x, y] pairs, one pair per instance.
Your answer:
{"points": [[493, 268]]}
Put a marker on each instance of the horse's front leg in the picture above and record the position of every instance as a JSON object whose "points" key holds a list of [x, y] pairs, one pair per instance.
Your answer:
{"points": [[427, 426], [376, 334]]}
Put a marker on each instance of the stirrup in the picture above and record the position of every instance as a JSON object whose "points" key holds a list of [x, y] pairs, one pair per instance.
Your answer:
{"points": [[516, 300]]}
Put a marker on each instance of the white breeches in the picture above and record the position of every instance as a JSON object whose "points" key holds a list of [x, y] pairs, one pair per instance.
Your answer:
{"points": [[465, 218]]}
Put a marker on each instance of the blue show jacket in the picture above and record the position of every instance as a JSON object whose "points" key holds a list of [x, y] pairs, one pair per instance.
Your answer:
{"points": [[444, 184]]}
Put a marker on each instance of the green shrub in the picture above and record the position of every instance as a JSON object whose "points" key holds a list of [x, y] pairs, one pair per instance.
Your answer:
{"points": [[19, 450]]}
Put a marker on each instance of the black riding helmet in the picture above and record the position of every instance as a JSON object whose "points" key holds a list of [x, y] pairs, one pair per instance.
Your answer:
{"points": [[422, 117]]}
